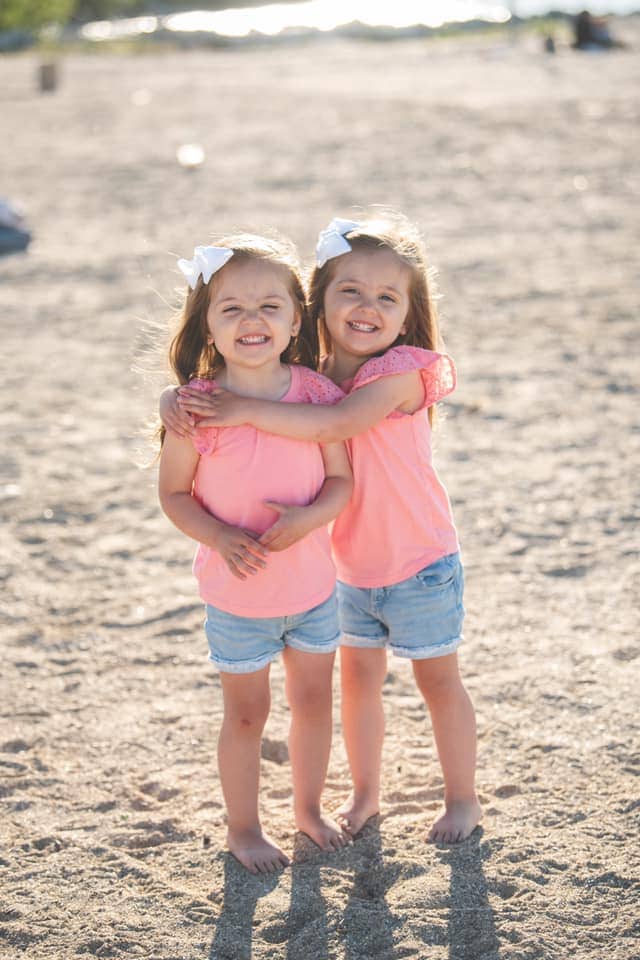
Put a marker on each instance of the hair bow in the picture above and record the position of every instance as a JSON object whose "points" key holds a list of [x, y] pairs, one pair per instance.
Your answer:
{"points": [[206, 261], [331, 241]]}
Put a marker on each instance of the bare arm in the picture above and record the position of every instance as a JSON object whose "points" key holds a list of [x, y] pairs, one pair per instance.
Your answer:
{"points": [[178, 462], [360, 411], [173, 417], [296, 522]]}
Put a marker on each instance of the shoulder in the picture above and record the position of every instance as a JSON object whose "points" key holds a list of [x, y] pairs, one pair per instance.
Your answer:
{"points": [[436, 370], [313, 387]]}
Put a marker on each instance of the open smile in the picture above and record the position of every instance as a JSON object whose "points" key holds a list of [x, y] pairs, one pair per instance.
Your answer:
{"points": [[253, 340], [362, 327]]}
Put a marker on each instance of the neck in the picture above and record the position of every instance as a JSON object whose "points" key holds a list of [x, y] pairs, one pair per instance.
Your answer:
{"points": [[341, 366], [266, 383]]}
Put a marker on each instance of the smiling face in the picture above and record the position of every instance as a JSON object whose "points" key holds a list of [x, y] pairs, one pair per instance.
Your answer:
{"points": [[366, 302], [251, 315]]}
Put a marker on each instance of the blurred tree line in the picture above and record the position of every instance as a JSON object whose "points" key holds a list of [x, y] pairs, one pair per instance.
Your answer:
{"points": [[32, 14]]}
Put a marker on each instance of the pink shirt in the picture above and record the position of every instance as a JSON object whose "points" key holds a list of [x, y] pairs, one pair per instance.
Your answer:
{"points": [[399, 517], [239, 468]]}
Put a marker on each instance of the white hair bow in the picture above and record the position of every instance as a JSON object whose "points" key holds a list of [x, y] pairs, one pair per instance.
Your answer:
{"points": [[206, 261], [331, 241]]}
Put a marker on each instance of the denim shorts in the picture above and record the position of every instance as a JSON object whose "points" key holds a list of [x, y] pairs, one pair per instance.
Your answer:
{"points": [[419, 618], [245, 644]]}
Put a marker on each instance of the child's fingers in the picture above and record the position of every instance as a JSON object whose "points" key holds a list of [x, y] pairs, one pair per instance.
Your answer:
{"points": [[196, 401], [270, 537], [255, 545], [193, 403], [208, 422], [234, 569]]}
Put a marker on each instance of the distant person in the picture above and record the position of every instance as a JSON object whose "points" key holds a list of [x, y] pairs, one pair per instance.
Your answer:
{"points": [[14, 235], [400, 577], [592, 33], [259, 506]]}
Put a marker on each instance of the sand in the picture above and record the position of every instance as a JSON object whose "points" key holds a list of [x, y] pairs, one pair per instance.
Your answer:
{"points": [[520, 169]]}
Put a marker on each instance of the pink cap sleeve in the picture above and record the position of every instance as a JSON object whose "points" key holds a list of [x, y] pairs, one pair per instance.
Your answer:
{"points": [[437, 370], [206, 437], [318, 389]]}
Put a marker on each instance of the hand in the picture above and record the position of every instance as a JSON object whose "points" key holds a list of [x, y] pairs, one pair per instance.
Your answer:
{"points": [[220, 408], [241, 551], [178, 421], [292, 525]]}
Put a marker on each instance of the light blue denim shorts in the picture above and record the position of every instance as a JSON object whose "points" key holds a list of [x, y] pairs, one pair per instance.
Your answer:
{"points": [[419, 618], [245, 644]]}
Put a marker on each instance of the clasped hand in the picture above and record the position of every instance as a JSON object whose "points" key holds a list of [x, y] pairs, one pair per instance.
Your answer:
{"points": [[245, 554]]}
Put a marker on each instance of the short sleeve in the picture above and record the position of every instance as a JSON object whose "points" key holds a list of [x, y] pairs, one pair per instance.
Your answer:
{"points": [[206, 437], [315, 388], [437, 370]]}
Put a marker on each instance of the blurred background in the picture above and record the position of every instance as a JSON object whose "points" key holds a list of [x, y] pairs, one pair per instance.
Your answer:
{"points": [[131, 132]]}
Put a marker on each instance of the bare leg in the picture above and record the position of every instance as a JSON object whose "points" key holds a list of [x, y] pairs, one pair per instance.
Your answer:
{"points": [[308, 686], [246, 708], [363, 673], [454, 728]]}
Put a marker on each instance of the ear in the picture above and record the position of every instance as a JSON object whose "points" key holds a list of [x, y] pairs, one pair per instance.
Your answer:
{"points": [[297, 323], [403, 328]]}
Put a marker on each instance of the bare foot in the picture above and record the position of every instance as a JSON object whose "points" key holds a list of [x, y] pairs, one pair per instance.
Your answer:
{"points": [[456, 823], [353, 814], [325, 832], [256, 851]]}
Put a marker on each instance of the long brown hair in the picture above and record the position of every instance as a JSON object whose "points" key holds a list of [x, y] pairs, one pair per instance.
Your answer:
{"points": [[190, 354], [388, 230]]}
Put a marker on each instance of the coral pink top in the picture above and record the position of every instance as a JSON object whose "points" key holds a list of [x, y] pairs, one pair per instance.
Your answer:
{"points": [[399, 517], [239, 468]]}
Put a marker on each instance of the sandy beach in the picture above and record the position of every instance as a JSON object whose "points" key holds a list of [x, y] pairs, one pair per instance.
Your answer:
{"points": [[522, 170]]}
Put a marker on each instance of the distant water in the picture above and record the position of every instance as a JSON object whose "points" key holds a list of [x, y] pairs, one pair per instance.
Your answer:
{"points": [[326, 16]]}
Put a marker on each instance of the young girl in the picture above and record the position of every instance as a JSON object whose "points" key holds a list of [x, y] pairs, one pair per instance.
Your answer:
{"points": [[259, 506], [400, 581]]}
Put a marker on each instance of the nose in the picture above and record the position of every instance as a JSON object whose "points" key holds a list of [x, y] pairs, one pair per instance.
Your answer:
{"points": [[367, 304]]}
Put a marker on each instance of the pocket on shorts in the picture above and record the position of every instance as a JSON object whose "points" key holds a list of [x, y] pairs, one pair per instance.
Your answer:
{"points": [[439, 575]]}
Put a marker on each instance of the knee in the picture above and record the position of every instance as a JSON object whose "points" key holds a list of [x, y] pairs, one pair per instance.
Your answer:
{"points": [[247, 717], [312, 699], [363, 673], [436, 687]]}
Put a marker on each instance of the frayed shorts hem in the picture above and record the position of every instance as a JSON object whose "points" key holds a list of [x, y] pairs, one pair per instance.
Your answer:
{"points": [[330, 646], [406, 653], [252, 666], [243, 666]]}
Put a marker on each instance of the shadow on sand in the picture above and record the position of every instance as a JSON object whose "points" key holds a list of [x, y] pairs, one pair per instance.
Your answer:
{"points": [[471, 934], [365, 928], [242, 891]]}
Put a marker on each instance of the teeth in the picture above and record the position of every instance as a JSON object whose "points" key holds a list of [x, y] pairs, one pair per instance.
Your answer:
{"points": [[363, 327], [254, 339]]}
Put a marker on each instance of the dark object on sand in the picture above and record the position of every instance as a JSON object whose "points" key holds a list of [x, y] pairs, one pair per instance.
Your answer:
{"points": [[48, 77], [14, 235], [592, 33], [549, 44]]}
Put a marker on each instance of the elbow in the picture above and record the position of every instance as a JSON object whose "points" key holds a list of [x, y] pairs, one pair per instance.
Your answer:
{"points": [[167, 503]]}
